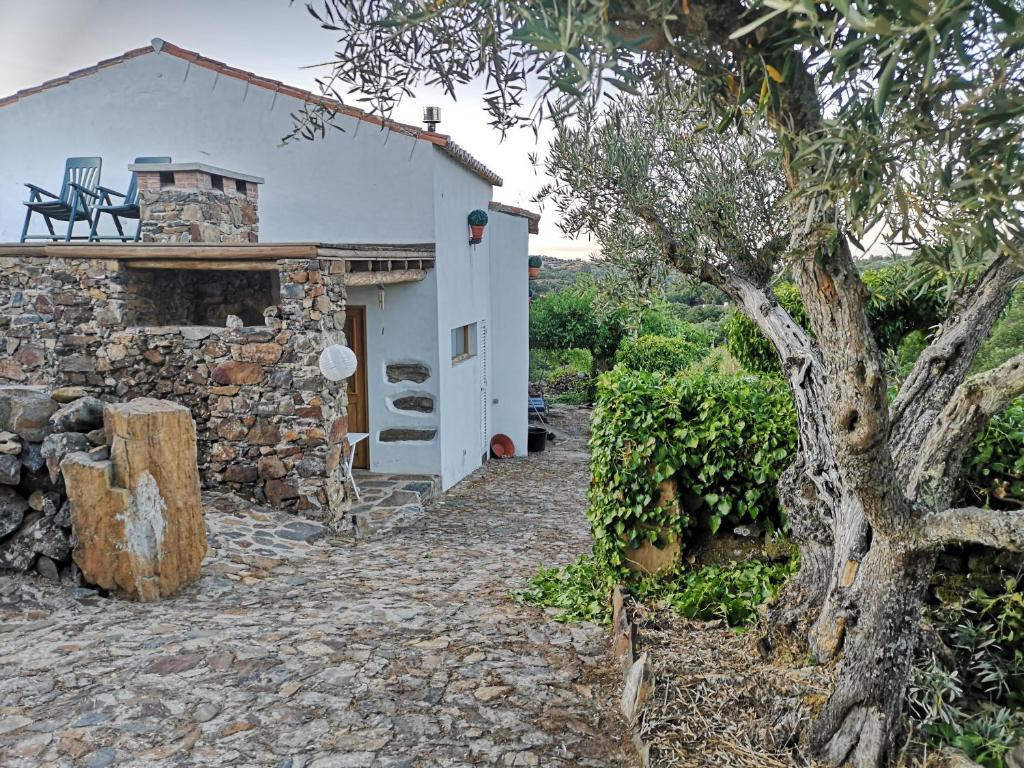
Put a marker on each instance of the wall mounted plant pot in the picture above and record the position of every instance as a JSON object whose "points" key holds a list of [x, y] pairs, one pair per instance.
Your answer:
{"points": [[476, 232], [534, 273]]}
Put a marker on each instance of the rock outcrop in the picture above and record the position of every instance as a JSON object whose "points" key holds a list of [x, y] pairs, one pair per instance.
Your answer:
{"points": [[138, 515]]}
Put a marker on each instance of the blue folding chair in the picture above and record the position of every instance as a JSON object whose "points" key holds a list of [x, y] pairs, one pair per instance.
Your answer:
{"points": [[128, 209], [77, 194]]}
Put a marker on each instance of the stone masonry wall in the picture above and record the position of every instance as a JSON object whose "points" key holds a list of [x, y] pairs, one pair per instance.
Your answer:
{"points": [[198, 216], [269, 425]]}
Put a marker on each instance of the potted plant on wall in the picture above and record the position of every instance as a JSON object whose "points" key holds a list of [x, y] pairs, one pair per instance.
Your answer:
{"points": [[535, 262], [477, 222]]}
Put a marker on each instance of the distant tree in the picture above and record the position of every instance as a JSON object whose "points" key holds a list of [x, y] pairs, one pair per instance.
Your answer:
{"points": [[900, 117]]}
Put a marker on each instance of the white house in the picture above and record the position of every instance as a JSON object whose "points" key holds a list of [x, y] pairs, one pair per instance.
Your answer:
{"points": [[462, 329]]}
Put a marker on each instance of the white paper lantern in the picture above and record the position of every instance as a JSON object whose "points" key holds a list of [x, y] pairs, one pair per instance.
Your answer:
{"points": [[337, 362]]}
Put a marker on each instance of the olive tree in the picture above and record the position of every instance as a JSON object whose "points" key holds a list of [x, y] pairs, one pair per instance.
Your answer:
{"points": [[903, 117]]}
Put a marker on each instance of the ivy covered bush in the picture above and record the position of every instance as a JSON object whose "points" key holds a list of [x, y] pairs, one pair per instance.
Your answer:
{"points": [[994, 468], [661, 354], [904, 298], [723, 439]]}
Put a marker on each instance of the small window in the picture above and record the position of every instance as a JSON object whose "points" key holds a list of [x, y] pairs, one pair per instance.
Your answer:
{"points": [[217, 182], [166, 178], [240, 187], [463, 342]]}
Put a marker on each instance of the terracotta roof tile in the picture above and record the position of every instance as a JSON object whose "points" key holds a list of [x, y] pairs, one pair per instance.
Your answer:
{"points": [[442, 142]]}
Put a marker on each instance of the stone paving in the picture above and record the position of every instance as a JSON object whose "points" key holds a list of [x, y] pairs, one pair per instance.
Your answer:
{"points": [[389, 502], [300, 650]]}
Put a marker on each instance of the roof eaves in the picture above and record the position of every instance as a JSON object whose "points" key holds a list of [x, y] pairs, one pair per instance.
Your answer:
{"points": [[532, 217]]}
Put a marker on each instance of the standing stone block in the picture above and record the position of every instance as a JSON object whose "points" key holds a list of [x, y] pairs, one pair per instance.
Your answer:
{"points": [[138, 516]]}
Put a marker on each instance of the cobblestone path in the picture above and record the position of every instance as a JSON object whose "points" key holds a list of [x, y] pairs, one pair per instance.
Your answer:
{"points": [[300, 651]]}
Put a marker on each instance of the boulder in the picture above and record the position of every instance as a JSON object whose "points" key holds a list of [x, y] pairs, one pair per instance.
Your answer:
{"points": [[13, 507], [60, 444], [10, 470], [82, 415], [138, 517], [10, 444], [67, 394], [38, 535], [26, 412], [32, 457]]}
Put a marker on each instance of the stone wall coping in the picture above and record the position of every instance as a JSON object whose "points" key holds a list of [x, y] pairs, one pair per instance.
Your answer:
{"points": [[200, 167], [222, 251]]}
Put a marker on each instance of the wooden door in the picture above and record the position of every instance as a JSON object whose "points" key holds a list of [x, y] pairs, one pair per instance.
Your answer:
{"points": [[355, 337]]}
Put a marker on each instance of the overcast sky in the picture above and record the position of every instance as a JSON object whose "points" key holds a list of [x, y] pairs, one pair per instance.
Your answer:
{"points": [[42, 39]]}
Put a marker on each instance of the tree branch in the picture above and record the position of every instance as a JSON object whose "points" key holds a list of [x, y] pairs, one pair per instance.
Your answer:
{"points": [[941, 368], [940, 459], [1002, 529]]}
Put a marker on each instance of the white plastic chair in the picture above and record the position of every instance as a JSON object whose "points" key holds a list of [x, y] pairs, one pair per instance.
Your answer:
{"points": [[354, 438]]}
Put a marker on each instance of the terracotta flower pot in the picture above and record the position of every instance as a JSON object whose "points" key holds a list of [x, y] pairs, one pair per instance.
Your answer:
{"points": [[534, 273], [477, 232]]}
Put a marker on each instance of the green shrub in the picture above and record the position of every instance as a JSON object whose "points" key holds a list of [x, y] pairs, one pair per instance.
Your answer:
{"points": [[1007, 339], [660, 354], [723, 439], [580, 590], [994, 468], [569, 319], [551, 364], [971, 695], [536, 261], [730, 593], [904, 298], [746, 342], [478, 218]]}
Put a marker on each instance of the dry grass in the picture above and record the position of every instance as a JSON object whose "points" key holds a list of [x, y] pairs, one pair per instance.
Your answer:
{"points": [[717, 703]]}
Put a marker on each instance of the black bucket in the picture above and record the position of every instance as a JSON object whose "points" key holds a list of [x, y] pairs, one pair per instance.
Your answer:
{"points": [[536, 439]]}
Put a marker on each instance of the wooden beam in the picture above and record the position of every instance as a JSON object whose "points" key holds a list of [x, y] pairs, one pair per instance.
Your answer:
{"points": [[236, 265], [353, 279]]}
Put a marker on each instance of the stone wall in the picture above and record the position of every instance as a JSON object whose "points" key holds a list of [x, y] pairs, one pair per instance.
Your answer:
{"points": [[36, 433], [269, 425], [174, 215]]}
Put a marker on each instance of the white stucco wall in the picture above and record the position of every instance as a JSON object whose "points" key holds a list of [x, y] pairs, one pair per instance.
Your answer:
{"points": [[463, 297], [404, 331], [363, 185], [510, 332]]}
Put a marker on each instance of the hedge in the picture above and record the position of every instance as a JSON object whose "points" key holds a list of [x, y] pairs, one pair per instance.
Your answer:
{"points": [[724, 440], [661, 354]]}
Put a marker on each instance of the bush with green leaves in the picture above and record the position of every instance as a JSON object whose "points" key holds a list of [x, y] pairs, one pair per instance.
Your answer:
{"points": [[569, 319], [967, 685], [660, 354], [994, 468], [478, 218], [904, 298], [732, 593], [723, 439], [1007, 337]]}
